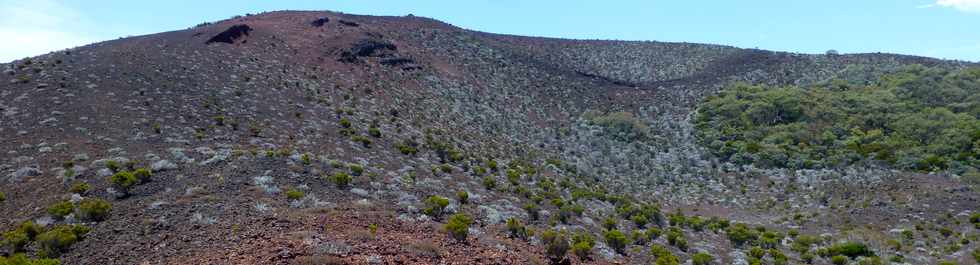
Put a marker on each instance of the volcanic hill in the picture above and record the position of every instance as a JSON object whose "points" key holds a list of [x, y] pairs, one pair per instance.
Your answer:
{"points": [[301, 137]]}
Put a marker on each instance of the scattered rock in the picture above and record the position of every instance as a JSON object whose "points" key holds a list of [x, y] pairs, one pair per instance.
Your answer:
{"points": [[219, 156], [231, 34], [360, 192], [22, 173], [163, 165], [320, 22], [332, 248]]}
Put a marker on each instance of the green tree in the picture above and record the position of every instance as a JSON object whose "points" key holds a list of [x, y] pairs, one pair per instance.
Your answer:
{"points": [[458, 226], [702, 258], [616, 240]]}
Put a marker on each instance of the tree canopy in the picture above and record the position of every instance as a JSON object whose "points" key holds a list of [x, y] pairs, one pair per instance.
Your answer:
{"points": [[918, 118]]}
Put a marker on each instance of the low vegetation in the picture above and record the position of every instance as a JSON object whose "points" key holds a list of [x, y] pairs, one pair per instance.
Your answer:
{"points": [[920, 119], [435, 205], [294, 194], [341, 179], [458, 226], [94, 210], [57, 240]]}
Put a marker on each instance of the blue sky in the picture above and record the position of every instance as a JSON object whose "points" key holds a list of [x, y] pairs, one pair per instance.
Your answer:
{"points": [[936, 28]]}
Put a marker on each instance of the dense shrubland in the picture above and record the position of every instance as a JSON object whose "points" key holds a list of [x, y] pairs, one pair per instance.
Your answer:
{"points": [[919, 119]]}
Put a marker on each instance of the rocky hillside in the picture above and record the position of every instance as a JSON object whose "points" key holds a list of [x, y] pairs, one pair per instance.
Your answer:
{"points": [[327, 138]]}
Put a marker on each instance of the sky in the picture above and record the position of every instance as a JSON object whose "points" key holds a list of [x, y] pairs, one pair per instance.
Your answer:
{"points": [[948, 29]]}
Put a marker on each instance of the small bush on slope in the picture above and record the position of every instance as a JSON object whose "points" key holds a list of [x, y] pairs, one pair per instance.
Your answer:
{"points": [[94, 210], [55, 241], [458, 226], [435, 205]]}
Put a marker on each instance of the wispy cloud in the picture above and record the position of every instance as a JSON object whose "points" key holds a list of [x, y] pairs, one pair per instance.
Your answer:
{"points": [[37, 27], [961, 5]]}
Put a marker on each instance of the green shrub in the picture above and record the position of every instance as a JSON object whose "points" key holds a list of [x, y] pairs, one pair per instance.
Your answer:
{"points": [[740, 234], [94, 210], [112, 165], [802, 243], [294, 194], [673, 235], [463, 197], [622, 126], [681, 243], [374, 132], [757, 252], [793, 232], [143, 174], [21, 259], [567, 211], [532, 211], [850, 249], [56, 241], [61, 209], [516, 229], [3, 197], [677, 219], [778, 257], [702, 258], [556, 245], [513, 177], [123, 181], [344, 122], [945, 231], [669, 259], [435, 205], [356, 169], [653, 233], [609, 223], [946, 262], [658, 250], [366, 142], [30, 229], [640, 220], [696, 222], [15, 240], [306, 158], [80, 188], [582, 244], [616, 240], [874, 260], [489, 182], [663, 255], [770, 239], [807, 257], [341, 179], [838, 260], [406, 148], [458, 226], [219, 120], [976, 255], [446, 168]]}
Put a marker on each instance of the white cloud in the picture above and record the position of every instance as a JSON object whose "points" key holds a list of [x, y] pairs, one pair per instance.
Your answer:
{"points": [[38, 26], [961, 5]]}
